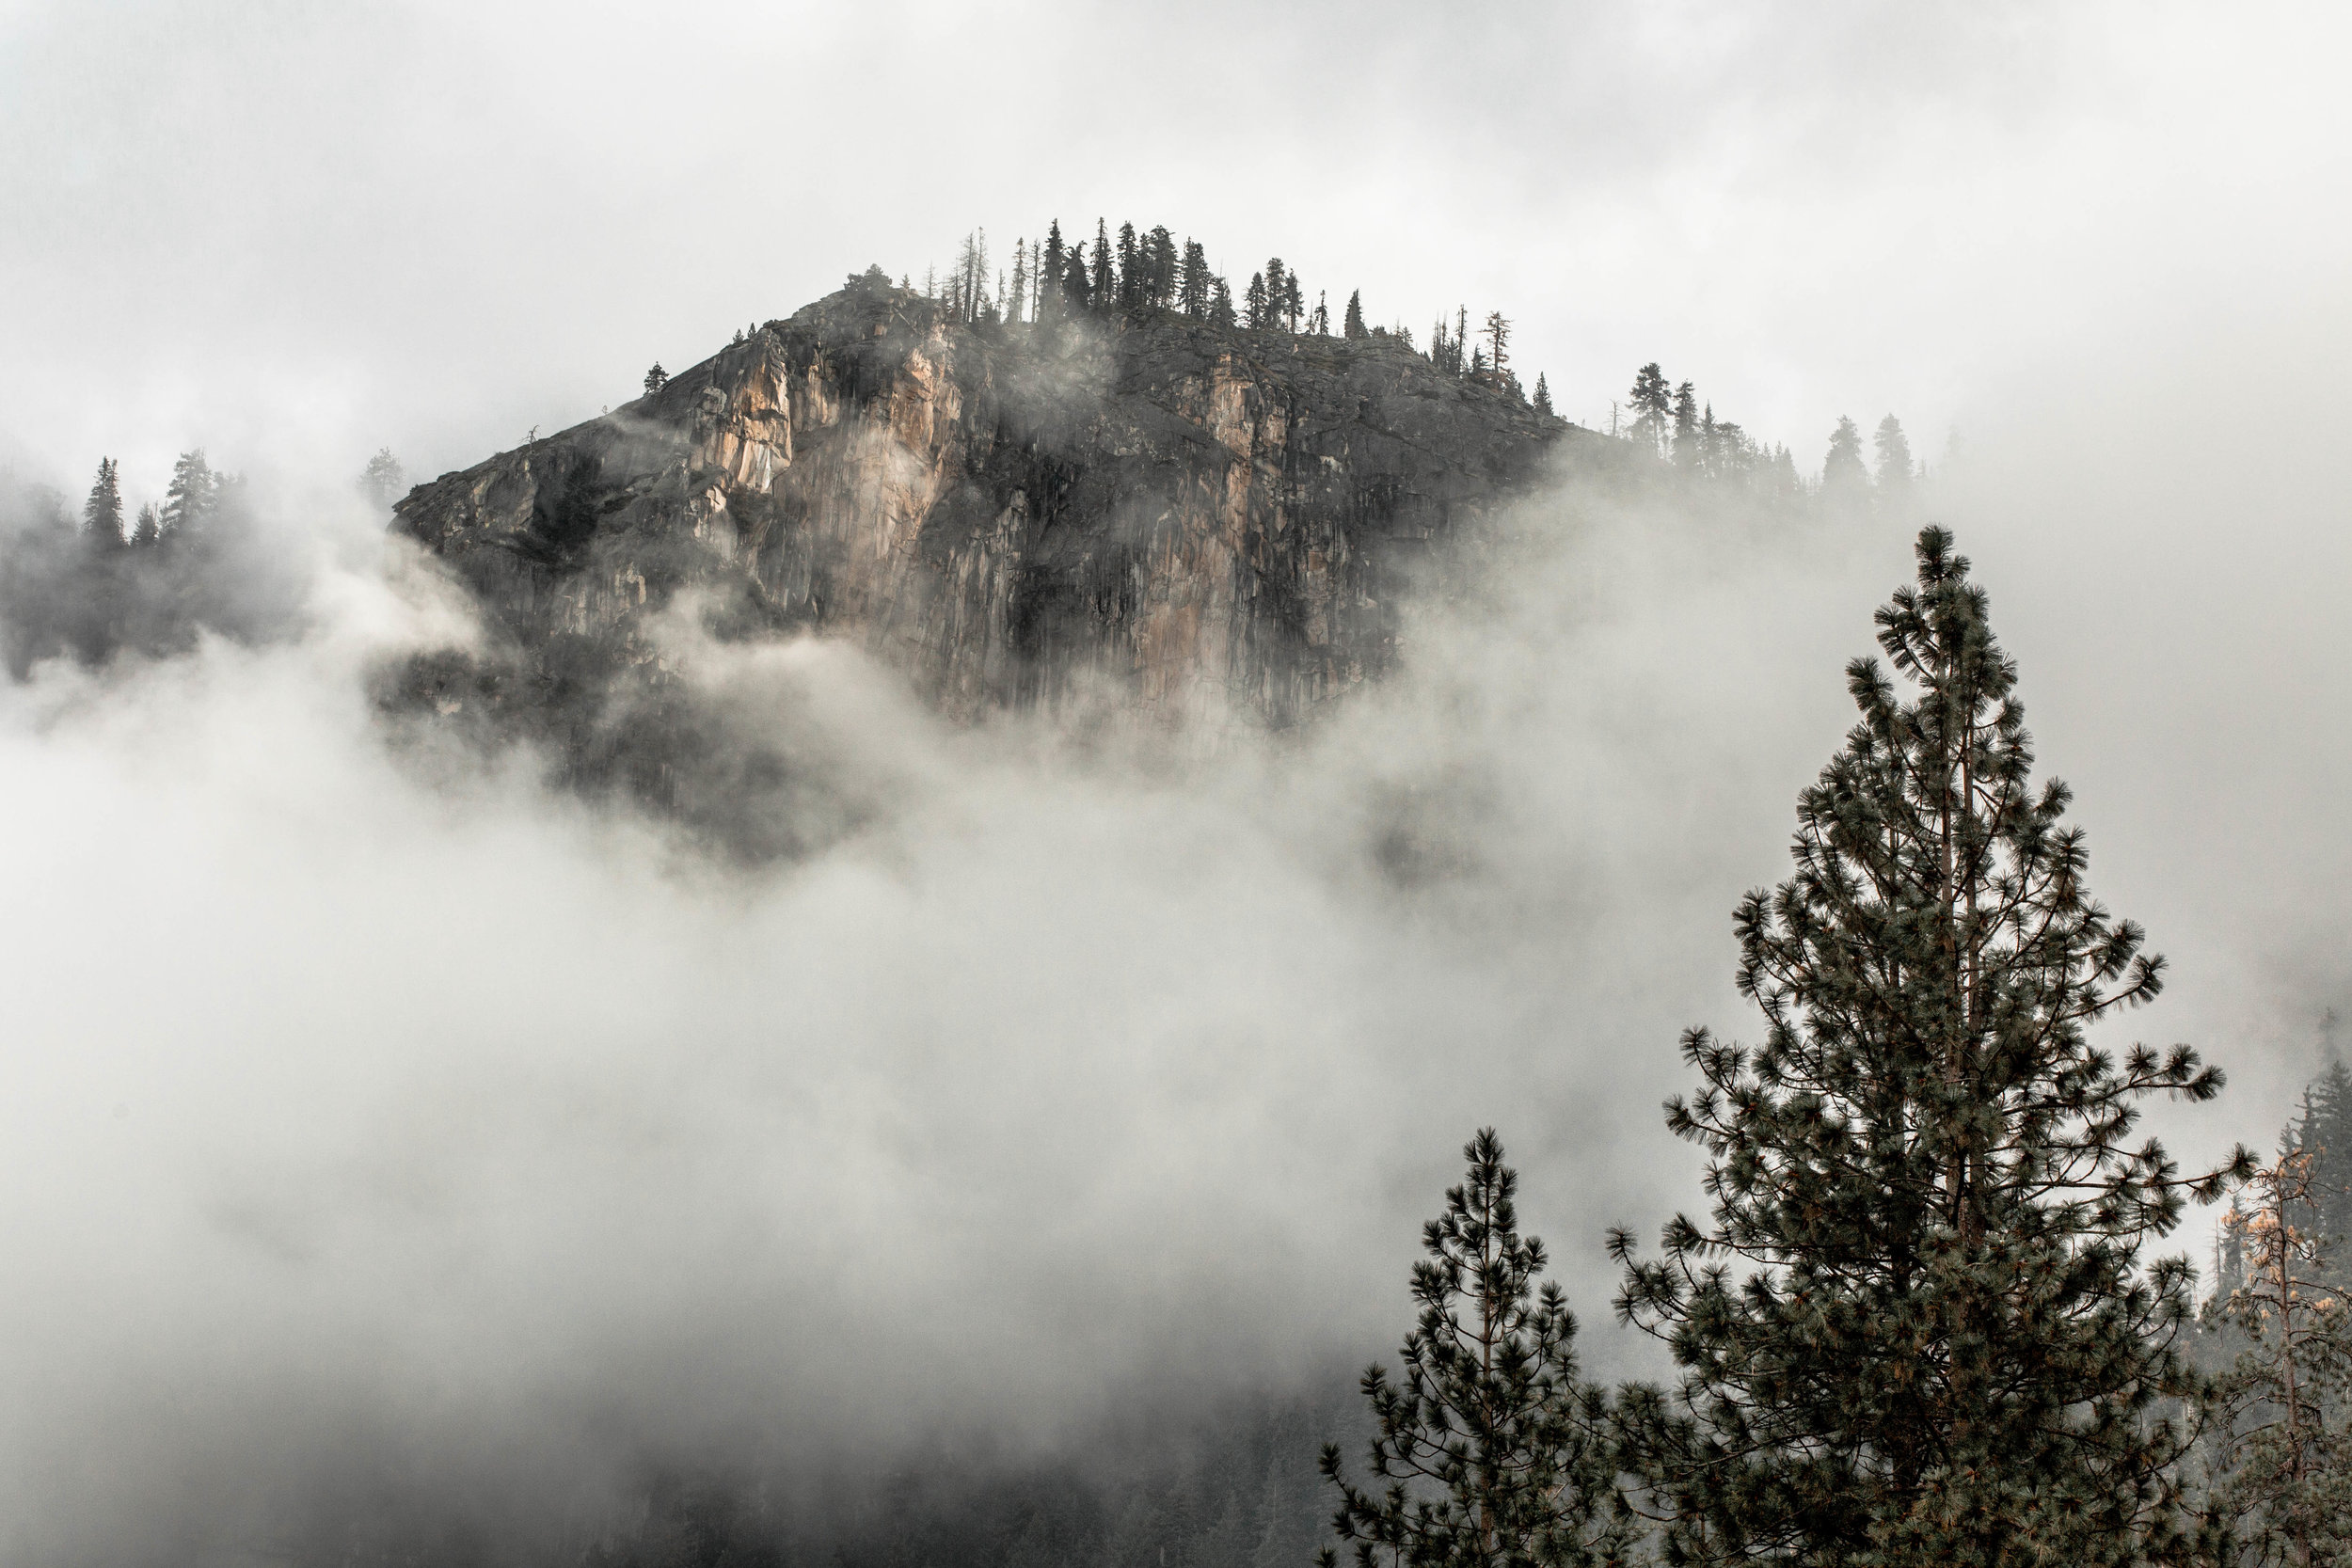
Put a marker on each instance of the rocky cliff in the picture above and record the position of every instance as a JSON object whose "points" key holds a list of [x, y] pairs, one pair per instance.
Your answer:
{"points": [[1213, 522]]}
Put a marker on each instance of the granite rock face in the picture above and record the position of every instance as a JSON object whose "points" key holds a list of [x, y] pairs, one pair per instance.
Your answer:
{"points": [[1204, 522]]}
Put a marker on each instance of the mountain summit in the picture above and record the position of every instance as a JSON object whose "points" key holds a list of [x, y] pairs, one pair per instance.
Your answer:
{"points": [[1216, 521]]}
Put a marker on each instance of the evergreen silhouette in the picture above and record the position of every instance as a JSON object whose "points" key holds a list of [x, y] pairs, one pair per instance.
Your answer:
{"points": [[1493, 1454], [1894, 453], [102, 514], [1842, 473], [1254, 311], [1352, 323], [1948, 1346], [655, 378], [193, 495], [1653, 407], [1221, 303], [1103, 287], [382, 480], [1542, 397]]}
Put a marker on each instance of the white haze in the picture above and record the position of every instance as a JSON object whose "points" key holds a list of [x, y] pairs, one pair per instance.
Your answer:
{"points": [[360, 1119]]}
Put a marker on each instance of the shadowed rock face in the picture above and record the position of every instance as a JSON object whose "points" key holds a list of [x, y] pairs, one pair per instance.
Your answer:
{"points": [[1213, 523]]}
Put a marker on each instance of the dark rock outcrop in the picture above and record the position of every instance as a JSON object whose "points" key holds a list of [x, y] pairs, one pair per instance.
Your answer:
{"points": [[1213, 522]]}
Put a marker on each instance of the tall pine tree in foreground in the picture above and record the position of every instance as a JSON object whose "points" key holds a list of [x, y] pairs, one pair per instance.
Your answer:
{"points": [[1917, 1327], [1493, 1452]]}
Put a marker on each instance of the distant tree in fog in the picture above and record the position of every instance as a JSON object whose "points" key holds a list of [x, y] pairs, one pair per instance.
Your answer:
{"points": [[1543, 396], [1319, 319], [1686, 424], [1896, 469], [1652, 401], [1253, 302], [149, 529], [1843, 470], [102, 514], [193, 495], [1221, 303], [1102, 288], [655, 378], [1352, 323], [382, 481], [1493, 1452]]}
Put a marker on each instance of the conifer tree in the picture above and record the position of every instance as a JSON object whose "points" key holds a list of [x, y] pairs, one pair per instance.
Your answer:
{"points": [[382, 479], [1277, 293], [192, 495], [1498, 343], [1293, 301], [2283, 1491], [1352, 323], [1842, 473], [1493, 1452], [1319, 319], [1948, 1346], [1017, 301], [1159, 250], [1895, 466], [1653, 407], [1049, 272], [1131, 278], [1103, 288], [1685, 417], [1077, 287], [655, 378], [2324, 1133], [1542, 397], [1254, 302], [151, 527], [1192, 286], [1221, 303], [102, 514]]}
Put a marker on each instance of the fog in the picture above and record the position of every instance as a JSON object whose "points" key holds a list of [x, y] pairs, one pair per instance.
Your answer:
{"points": [[377, 1122]]}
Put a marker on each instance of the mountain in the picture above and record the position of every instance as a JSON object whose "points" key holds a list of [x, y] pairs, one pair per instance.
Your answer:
{"points": [[1207, 522]]}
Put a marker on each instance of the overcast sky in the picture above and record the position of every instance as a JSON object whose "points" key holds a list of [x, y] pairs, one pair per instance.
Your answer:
{"points": [[295, 232]]}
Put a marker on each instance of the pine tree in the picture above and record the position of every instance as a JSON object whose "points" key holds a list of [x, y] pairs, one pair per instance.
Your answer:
{"points": [[1542, 397], [382, 480], [1653, 407], [1352, 323], [655, 378], [2282, 1487], [1498, 343], [102, 514], [1277, 300], [1842, 473], [1253, 310], [1319, 319], [1103, 288], [192, 495], [1018, 300], [1077, 286], [1160, 253], [1221, 303], [1192, 287], [149, 529], [1131, 279], [1949, 1348], [1494, 1451], [1685, 417], [1895, 466], [2326, 1134], [1049, 272]]}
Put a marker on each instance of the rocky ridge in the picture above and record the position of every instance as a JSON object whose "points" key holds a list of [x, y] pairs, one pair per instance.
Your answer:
{"points": [[1211, 522]]}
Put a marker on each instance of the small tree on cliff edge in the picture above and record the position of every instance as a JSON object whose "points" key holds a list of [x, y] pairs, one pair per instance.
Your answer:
{"points": [[1494, 1451], [1352, 323], [1947, 1350], [655, 378]]}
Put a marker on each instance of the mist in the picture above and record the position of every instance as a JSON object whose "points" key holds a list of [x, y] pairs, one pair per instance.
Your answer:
{"points": [[382, 1131]]}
